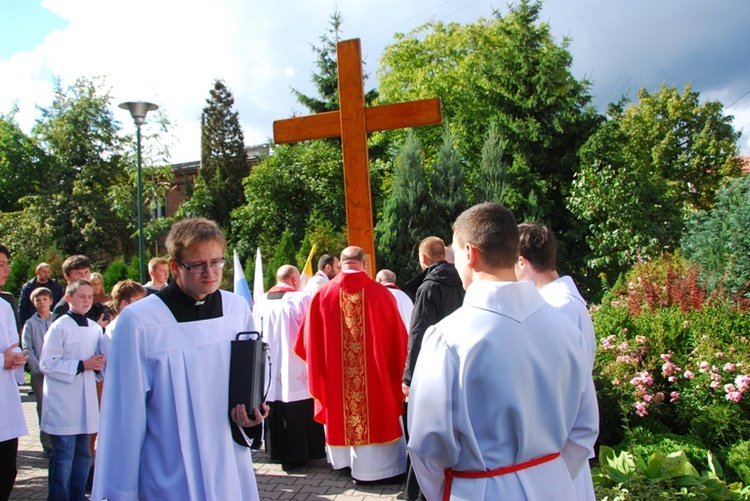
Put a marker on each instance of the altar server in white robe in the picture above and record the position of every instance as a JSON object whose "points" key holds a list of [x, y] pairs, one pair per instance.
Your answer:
{"points": [[294, 437], [405, 305], [498, 392], [13, 422], [537, 263], [165, 431]]}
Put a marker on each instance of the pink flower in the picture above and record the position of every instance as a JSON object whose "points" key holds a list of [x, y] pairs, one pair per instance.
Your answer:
{"points": [[640, 339], [714, 384], [734, 396], [674, 396], [715, 377], [641, 408], [728, 367], [688, 375], [666, 357], [607, 343], [672, 379], [742, 382], [729, 388], [719, 354], [703, 367], [647, 398]]}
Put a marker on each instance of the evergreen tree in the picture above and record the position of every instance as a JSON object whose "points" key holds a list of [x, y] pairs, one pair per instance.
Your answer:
{"points": [[406, 213], [223, 158], [327, 79], [490, 185], [448, 189], [285, 254]]}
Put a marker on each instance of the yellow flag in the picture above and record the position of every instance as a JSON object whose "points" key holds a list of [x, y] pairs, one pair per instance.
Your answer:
{"points": [[307, 271]]}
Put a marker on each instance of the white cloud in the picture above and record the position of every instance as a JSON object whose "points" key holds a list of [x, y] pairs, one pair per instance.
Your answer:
{"points": [[169, 52]]}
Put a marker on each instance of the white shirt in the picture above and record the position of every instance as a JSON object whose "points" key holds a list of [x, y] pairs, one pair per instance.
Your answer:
{"points": [[280, 320], [500, 382], [315, 283], [13, 422], [563, 295], [165, 430]]}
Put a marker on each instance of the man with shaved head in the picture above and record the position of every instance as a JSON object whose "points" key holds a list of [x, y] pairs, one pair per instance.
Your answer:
{"points": [[293, 436], [353, 342]]}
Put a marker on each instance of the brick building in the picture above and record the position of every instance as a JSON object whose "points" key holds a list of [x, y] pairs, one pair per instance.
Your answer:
{"points": [[187, 171]]}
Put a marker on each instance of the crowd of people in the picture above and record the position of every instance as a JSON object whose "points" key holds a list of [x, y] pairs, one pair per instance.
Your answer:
{"points": [[473, 381]]}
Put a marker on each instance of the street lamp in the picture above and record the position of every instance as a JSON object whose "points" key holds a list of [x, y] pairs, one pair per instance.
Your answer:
{"points": [[138, 111]]}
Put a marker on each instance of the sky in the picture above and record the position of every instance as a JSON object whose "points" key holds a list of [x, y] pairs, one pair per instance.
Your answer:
{"points": [[170, 52]]}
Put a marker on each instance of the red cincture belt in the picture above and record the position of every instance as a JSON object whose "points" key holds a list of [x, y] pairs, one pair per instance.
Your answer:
{"points": [[504, 470]]}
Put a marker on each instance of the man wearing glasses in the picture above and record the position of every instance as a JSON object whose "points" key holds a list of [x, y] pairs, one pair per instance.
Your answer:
{"points": [[164, 429]]}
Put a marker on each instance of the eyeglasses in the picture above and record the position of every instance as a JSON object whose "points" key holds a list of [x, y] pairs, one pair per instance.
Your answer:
{"points": [[196, 269]]}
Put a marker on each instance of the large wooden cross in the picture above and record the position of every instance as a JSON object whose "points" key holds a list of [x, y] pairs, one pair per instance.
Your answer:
{"points": [[352, 123]]}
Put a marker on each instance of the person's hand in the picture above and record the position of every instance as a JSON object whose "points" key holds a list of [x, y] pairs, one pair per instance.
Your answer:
{"points": [[239, 415], [95, 363], [405, 389], [103, 320], [13, 358]]}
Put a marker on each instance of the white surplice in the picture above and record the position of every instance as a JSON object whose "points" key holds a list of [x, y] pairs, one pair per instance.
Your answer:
{"points": [[165, 430], [280, 320], [404, 303], [13, 422], [315, 283], [71, 406], [500, 382], [563, 295]]}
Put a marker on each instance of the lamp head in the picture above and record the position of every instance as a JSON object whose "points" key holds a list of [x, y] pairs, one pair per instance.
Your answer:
{"points": [[138, 110]]}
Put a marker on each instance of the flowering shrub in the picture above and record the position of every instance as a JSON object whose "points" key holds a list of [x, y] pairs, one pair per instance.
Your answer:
{"points": [[670, 356]]}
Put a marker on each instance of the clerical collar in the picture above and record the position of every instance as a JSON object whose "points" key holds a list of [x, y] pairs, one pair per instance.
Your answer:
{"points": [[81, 320], [187, 309]]}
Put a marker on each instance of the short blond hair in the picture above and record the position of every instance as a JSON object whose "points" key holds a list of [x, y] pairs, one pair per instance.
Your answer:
{"points": [[156, 261]]}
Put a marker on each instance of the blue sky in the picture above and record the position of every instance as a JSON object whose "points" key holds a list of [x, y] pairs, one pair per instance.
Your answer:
{"points": [[170, 51]]}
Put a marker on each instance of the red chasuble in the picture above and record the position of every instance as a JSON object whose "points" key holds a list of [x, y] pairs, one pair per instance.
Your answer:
{"points": [[353, 340]]}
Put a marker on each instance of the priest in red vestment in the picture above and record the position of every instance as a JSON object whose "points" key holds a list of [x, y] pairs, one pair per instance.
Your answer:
{"points": [[354, 343]]}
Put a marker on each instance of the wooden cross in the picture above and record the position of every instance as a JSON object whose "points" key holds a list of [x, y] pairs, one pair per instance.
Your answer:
{"points": [[352, 123]]}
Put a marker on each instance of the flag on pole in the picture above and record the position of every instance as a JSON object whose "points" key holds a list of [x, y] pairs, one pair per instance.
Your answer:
{"points": [[307, 271], [240, 284], [258, 280]]}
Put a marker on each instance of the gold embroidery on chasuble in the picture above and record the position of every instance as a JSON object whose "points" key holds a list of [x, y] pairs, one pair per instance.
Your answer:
{"points": [[354, 366]]}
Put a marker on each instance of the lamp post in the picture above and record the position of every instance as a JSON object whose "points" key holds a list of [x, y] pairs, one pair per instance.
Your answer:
{"points": [[138, 111]]}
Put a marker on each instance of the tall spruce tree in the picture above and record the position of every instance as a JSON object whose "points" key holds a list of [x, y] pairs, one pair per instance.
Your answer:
{"points": [[223, 158], [448, 189], [490, 185], [406, 213]]}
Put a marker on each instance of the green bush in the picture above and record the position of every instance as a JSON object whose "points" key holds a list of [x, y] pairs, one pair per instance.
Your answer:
{"points": [[116, 271], [21, 269], [643, 443], [720, 426], [738, 459]]}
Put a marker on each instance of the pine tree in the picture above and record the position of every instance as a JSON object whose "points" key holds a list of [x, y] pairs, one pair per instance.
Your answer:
{"points": [[285, 254], [490, 186], [448, 189], [406, 212], [223, 158]]}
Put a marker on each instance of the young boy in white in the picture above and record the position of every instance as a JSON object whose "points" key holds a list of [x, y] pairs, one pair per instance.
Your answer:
{"points": [[71, 362]]}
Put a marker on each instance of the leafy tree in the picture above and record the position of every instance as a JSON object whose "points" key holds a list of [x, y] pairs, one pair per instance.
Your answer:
{"points": [[448, 189], [223, 159], [647, 168], [79, 132], [406, 212], [23, 164], [718, 239], [490, 185], [511, 72], [156, 180], [323, 233], [282, 192]]}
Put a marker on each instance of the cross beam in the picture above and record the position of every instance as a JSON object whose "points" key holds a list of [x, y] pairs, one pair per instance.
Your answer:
{"points": [[352, 122]]}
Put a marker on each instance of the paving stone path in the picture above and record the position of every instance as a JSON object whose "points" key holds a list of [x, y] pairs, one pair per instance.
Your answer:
{"points": [[317, 481]]}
